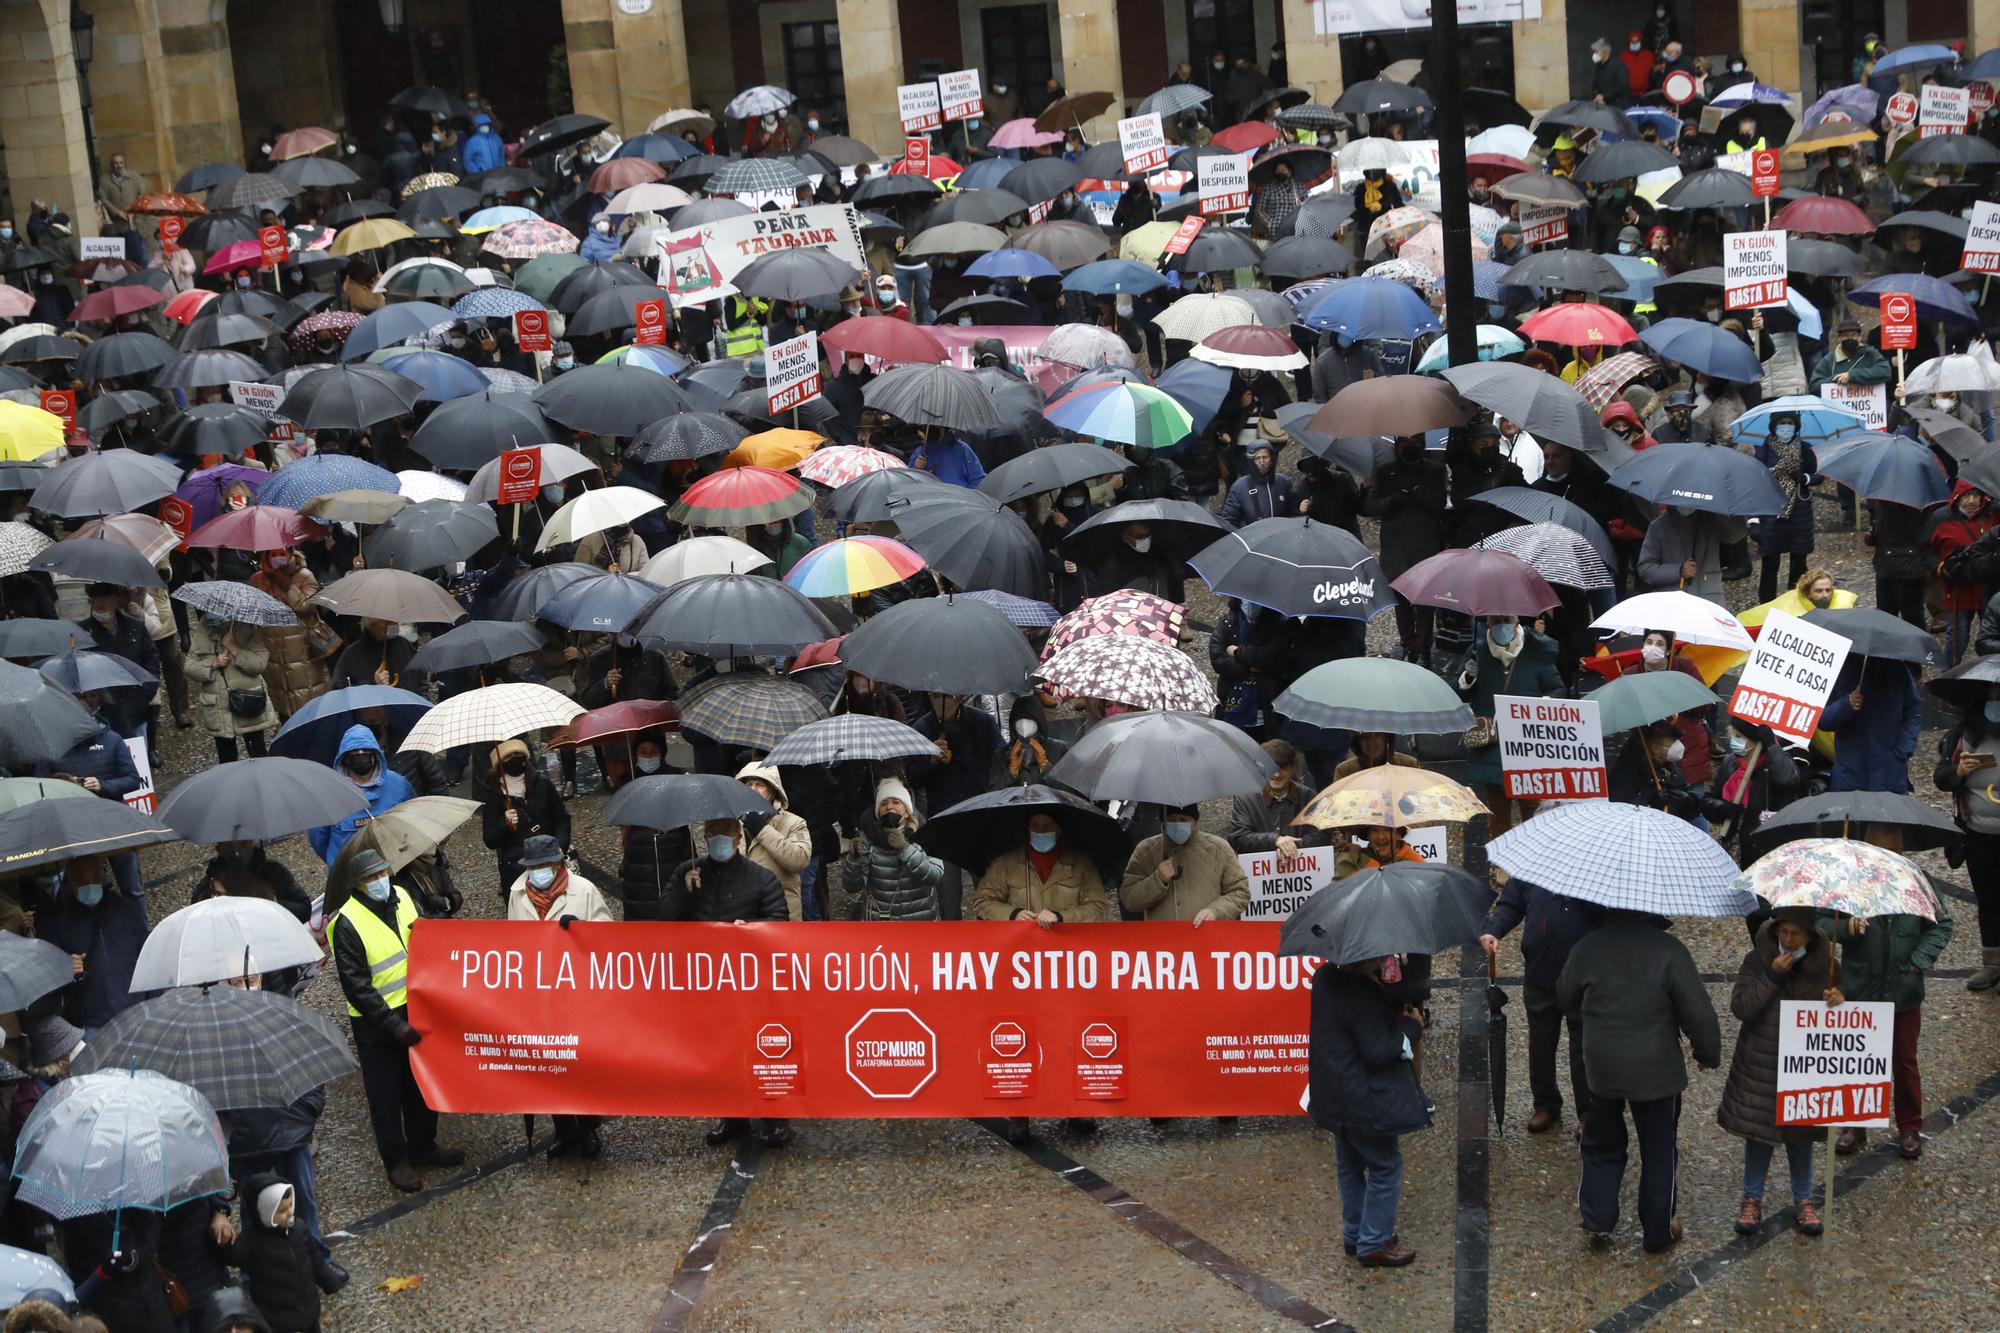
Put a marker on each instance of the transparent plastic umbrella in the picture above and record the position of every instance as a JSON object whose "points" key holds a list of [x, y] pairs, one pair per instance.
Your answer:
{"points": [[97, 1143]]}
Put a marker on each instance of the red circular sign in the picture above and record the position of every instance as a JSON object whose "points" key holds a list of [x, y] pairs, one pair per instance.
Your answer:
{"points": [[1007, 1039], [171, 228], [531, 321], [891, 1054], [521, 466], [1679, 87], [1902, 109], [58, 402], [649, 314]]}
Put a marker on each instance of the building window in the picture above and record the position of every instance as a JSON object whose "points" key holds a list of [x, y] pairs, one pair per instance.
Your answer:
{"points": [[1016, 42], [1228, 26], [812, 64]]}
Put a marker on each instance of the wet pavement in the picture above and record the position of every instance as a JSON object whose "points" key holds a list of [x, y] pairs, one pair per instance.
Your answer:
{"points": [[941, 1225]]}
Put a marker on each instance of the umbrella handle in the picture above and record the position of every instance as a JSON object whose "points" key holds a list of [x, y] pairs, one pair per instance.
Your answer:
{"points": [[1493, 967]]}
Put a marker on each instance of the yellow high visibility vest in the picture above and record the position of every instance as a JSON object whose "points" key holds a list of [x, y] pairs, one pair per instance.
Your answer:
{"points": [[746, 337], [387, 951]]}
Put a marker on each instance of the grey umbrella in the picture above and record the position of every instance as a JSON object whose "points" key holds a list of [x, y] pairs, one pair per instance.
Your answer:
{"points": [[946, 645], [30, 969], [215, 428], [98, 560], [884, 189], [1540, 404], [96, 1143], [1304, 256], [976, 542], [687, 436], [1042, 179], [1624, 160], [1215, 249], [25, 637], [38, 722], [991, 206], [732, 615], [227, 331], [850, 736], [1323, 215], [85, 672], [236, 602], [477, 643], [1172, 759], [471, 432], [51, 832], [207, 368], [253, 189], [241, 1049], [349, 397], [675, 800], [866, 499], [795, 275], [111, 481], [613, 310], [1715, 187], [1566, 271], [430, 535], [1050, 469], [1174, 99], [610, 399], [922, 395], [1398, 909], [259, 799], [756, 175]]}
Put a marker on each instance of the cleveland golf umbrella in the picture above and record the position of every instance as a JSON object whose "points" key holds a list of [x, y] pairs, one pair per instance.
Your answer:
{"points": [[601, 604], [943, 645], [1171, 759], [1297, 567]]}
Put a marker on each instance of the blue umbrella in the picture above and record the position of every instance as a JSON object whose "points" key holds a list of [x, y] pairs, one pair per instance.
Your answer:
{"points": [[1936, 299], [1665, 120], [1372, 308], [1756, 92], [1885, 467], [1921, 56], [601, 603], [1640, 275], [1494, 341], [322, 474], [1486, 275], [488, 219], [1695, 476], [443, 376], [1858, 102], [1810, 323], [314, 731], [1705, 348], [393, 324], [493, 303], [1303, 294], [1110, 277], [1987, 66], [986, 173], [666, 149], [1818, 419], [1011, 263], [1197, 386]]}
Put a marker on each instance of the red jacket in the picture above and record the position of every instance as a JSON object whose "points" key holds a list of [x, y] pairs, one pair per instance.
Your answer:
{"points": [[1953, 533]]}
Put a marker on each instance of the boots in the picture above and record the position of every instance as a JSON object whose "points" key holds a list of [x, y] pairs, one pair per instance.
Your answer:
{"points": [[1988, 975]]}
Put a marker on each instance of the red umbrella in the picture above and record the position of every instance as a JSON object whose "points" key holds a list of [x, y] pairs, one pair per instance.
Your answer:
{"points": [[257, 528], [937, 168], [825, 653], [628, 717], [166, 204], [739, 496], [893, 340], [622, 172], [1576, 324], [183, 308], [1477, 583], [1493, 166], [1823, 216], [1245, 138], [237, 254], [108, 303], [1250, 347]]}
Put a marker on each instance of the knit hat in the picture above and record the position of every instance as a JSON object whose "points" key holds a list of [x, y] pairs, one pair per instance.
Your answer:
{"points": [[506, 750], [269, 1200], [889, 787], [51, 1038]]}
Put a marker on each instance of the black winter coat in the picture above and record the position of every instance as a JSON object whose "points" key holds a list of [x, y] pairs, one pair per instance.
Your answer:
{"points": [[1410, 499], [650, 856], [1361, 1084], [1635, 991], [973, 737], [644, 675], [541, 810], [277, 1265], [734, 890], [187, 1250], [1551, 924]]}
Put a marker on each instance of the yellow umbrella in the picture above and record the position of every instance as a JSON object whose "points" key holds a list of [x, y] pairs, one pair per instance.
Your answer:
{"points": [[369, 234], [27, 432], [780, 450], [1147, 243], [1828, 135], [1391, 796]]}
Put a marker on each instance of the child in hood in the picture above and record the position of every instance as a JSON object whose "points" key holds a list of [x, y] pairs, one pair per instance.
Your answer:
{"points": [[275, 1253]]}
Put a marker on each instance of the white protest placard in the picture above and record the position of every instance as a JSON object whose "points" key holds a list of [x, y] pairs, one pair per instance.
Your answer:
{"points": [[258, 397], [1790, 674], [1280, 885], [1143, 140], [960, 95], [1834, 1063], [1550, 749], [1753, 269], [701, 263], [1982, 239], [1943, 110], [145, 799], [101, 247], [1870, 400], [919, 106], [1416, 176], [1740, 163], [1224, 183], [791, 372], [1432, 842], [1544, 226]]}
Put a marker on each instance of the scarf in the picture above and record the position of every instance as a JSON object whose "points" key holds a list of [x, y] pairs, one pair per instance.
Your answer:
{"points": [[1505, 653], [544, 899], [1787, 472], [1019, 751]]}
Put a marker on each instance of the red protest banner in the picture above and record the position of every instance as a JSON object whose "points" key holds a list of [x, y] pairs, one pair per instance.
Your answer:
{"points": [[1899, 322], [61, 403], [272, 239], [837, 1019], [170, 232], [531, 331], [520, 476], [1763, 174], [1178, 243], [650, 323]]}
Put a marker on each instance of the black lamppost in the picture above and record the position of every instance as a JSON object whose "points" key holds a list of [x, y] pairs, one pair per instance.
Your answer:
{"points": [[83, 45]]}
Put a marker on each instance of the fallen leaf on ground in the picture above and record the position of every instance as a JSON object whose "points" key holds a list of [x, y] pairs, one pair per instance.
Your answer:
{"points": [[410, 1283]]}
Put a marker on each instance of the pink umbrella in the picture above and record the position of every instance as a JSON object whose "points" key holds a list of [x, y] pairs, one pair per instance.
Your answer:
{"points": [[237, 254], [1427, 249], [184, 307], [14, 302], [1021, 134], [109, 303], [1477, 583], [527, 238]]}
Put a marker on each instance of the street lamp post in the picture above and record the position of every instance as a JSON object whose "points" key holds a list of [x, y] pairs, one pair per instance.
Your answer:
{"points": [[83, 46]]}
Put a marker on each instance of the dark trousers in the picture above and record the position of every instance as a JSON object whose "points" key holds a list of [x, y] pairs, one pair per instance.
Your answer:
{"points": [[1909, 1085], [1413, 627], [225, 746], [1982, 867], [1905, 598], [1545, 1024], [403, 1122], [173, 674], [951, 893], [1767, 578], [1657, 1123]]}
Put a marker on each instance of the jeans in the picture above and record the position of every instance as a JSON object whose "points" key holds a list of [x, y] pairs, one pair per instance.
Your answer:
{"points": [[1370, 1171], [1657, 1123], [1545, 1034], [808, 896], [1960, 628], [403, 1122], [1757, 1165], [914, 287]]}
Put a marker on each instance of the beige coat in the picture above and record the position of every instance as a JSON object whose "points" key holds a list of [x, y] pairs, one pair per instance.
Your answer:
{"points": [[1072, 889], [784, 846], [245, 672], [295, 677], [581, 899], [631, 552], [1210, 877]]}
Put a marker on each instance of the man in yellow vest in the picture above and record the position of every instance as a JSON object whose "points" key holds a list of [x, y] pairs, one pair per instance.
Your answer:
{"points": [[371, 942], [742, 331]]}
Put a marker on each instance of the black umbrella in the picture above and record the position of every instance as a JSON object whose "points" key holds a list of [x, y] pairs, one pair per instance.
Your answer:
{"points": [[1180, 528], [1623, 161], [1818, 259], [315, 172], [977, 543], [1373, 97], [607, 602], [613, 310], [207, 368], [124, 354], [522, 599], [220, 330], [430, 535], [1104, 161], [214, 428], [1714, 187], [991, 207], [1565, 271], [207, 176], [1041, 179], [114, 407], [217, 230], [476, 643], [610, 399], [83, 671], [468, 433], [26, 637], [1216, 249], [1050, 469], [251, 190], [38, 722], [975, 831], [1944, 224], [1951, 150], [354, 210], [259, 799], [1540, 404], [247, 301], [1305, 257], [42, 347], [111, 481], [1171, 759], [349, 397], [985, 309], [1296, 567], [49, 833], [1491, 107], [671, 801], [1306, 162], [1496, 1042], [431, 101], [873, 498], [13, 378], [436, 204], [925, 395], [732, 615], [694, 173], [30, 969], [1586, 116], [689, 436], [1847, 814], [1402, 908], [1964, 687], [24, 257], [1876, 633], [944, 645], [560, 132], [801, 274], [1532, 506]]}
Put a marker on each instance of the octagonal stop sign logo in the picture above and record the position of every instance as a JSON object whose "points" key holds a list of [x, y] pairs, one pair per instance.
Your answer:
{"points": [[1099, 1041], [774, 1041], [891, 1054], [1007, 1039]]}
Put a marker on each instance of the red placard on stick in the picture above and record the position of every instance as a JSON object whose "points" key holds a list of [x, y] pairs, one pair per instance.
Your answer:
{"points": [[1178, 243], [917, 153], [62, 403], [1899, 322], [178, 514], [170, 232], [520, 476], [531, 331], [650, 323], [273, 241], [1764, 173]]}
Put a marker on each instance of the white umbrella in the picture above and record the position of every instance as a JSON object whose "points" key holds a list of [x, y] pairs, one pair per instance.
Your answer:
{"points": [[1623, 856], [1506, 140], [680, 120], [1373, 155], [220, 938], [594, 511], [1688, 618], [1952, 374], [420, 486], [96, 1143], [382, 282], [559, 461], [1195, 317], [1085, 346], [698, 556], [486, 716], [647, 197], [20, 331]]}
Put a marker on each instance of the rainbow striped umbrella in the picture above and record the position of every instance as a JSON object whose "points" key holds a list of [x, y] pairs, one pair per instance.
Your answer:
{"points": [[1136, 414], [853, 564]]}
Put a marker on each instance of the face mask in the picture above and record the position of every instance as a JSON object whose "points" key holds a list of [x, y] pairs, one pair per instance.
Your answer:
{"points": [[649, 763], [89, 895], [776, 529], [1714, 316], [486, 129], [1123, 305], [1143, 545], [812, 125], [542, 876], [104, 617], [1043, 842], [1844, 162], [1945, 402], [721, 847], [554, 493], [1737, 745], [1501, 634], [1215, 64], [243, 283], [47, 279], [360, 766], [1073, 501], [1785, 431], [1178, 832], [1251, 610], [1850, 348], [1821, 603], [378, 889], [1653, 653], [970, 125], [1675, 751], [1735, 67], [515, 766], [1634, 46], [1496, 313], [1000, 89], [1992, 710], [6, 233], [770, 123], [437, 136], [1026, 727], [565, 363]]}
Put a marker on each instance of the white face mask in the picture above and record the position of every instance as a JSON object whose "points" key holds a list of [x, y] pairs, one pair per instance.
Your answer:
{"points": [[1675, 752], [1653, 652], [1026, 727], [648, 763], [1945, 402], [1143, 545], [378, 889]]}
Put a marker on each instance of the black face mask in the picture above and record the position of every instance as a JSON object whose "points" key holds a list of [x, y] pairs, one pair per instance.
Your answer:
{"points": [[361, 763], [515, 766]]}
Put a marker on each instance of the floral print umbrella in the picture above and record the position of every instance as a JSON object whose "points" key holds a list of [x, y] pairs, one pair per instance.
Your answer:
{"points": [[1391, 797], [1840, 875], [1123, 612], [1126, 669], [526, 240]]}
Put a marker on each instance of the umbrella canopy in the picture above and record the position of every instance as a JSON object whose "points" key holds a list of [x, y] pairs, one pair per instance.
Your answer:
{"points": [[1688, 618], [732, 615], [1557, 554], [1391, 796], [1123, 612], [1127, 413], [749, 710], [1180, 528], [1051, 468], [595, 511], [1390, 405], [559, 462], [1566, 271], [932, 395], [401, 835], [837, 465], [431, 535], [123, 354], [297, 483], [977, 830], [600, 603], [1477, 582], [671, 801], [1885, 467], [394, 595], [52, 832], [611, 400], [488, 715], [84, 672], [849, 737], [349, 397], [853, 565], [1639, 697], [1578, 325], [1876, 633], [1703, 347], [1172, 759], [894, 341], [1715, 187], [1250, 347], [17, 548], [31, 968], [1021, 612], [944, 645], [1133, 671], [1694, 476], [628, 718], [1817, 418], [1375, 694], [1625, 857], [472, 431], [738, 497], [1370, 307], [98, 560], [1841, 814], [1840, 875], [1539, 404], [38, 722], [696, 556], [241, 1049], [315, 730], [96, 1143], [477, 643], [1395, 909], [970, 539], [111, 481], [1297, 567]]}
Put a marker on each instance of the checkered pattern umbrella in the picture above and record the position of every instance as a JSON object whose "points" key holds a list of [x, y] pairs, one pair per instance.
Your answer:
{"points": [[839, 464], [1021, 612], [1130, 670], [526, 240], [1623, 856], [1311, 116], [493, 303], [238, 601], [485, 716], [239, 1048], [1173, 99], [20, 543], [1558, 555], [1123, 612], [756, 175], [755, 712], [256, 189], [99, 1142], [1602, 382], [851, 736]]}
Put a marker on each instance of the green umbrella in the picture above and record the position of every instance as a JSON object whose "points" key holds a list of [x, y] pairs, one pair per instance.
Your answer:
{"points": [[17, 792], [539, 276], [1640, 697], [1375, 694]]}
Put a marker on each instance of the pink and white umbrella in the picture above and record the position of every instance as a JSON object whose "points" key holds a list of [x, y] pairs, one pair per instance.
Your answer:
{"points": [[1427, 249], [1250, 347], [15, 303], [1130, 670], [526, 239], [841, 463]]}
